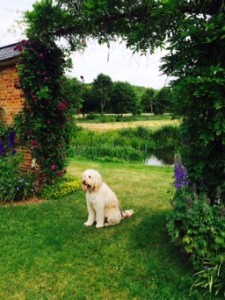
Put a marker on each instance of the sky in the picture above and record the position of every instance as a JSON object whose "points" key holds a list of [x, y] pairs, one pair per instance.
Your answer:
{"points": [[118, 62]]}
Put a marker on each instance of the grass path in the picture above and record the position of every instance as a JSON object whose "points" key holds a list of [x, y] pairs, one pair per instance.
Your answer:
{"points": [[153, 124], [47, 252]]}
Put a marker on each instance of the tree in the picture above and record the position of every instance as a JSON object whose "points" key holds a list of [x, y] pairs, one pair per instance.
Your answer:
{"points": [[162, 101], [72, 90], [123, 98], [89, 102], [102, 90], [147, 100]]}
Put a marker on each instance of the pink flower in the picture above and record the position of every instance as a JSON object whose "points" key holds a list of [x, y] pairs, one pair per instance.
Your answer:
{"points": [[18, 48], [33, 144], [60, 173], [53, 167], [62, 106]]}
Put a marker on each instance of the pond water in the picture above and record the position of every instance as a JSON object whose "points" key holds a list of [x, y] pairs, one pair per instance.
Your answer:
{"points": [[160, 158]]}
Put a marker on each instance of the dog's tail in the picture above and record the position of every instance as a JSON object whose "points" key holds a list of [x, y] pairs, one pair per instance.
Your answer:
{"points": [[127, 213]]}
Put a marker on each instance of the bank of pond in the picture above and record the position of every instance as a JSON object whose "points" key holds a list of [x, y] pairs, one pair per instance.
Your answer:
{"points": [[141, 144]]}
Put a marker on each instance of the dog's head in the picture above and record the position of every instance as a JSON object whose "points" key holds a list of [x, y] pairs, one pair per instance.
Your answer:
{"points": [[91, 180]]}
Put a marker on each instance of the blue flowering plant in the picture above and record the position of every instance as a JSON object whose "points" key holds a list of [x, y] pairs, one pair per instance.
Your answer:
{"points": [[7, 140], [14, 185]]}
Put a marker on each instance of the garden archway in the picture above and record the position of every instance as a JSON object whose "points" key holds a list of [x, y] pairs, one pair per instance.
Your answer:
{"points": [[143, 25]]}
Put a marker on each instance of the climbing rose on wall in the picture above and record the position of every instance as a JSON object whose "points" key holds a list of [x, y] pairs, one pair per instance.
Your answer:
{"points": [[46, 114]]}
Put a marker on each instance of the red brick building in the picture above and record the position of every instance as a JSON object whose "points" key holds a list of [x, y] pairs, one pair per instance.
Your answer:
{"points": [[11, 98]]}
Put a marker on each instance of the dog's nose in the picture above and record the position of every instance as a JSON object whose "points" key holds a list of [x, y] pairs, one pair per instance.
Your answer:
{"points": [[83, 182]]}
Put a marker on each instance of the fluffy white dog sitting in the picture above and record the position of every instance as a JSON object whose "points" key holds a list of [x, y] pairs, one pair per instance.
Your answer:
{"points": [[102, 204]]}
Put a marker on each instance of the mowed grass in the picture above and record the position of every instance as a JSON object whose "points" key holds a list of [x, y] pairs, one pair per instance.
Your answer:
{"points": [[47, 252], [152, 124]]}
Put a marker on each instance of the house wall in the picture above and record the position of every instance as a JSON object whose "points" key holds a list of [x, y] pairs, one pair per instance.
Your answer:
{"points": [[11, 99], [11, 103]]}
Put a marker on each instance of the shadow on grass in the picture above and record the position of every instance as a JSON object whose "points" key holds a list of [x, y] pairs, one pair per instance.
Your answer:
{"points": [[151, 235]]}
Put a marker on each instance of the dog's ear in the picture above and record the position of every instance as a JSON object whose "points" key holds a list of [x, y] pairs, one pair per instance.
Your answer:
{"points": [[98, 180]]}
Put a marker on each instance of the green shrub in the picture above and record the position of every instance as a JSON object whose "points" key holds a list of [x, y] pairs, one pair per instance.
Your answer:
{"points": [[14, 185], [60, 188], [198, 227], [143, 132], [166, 137]]}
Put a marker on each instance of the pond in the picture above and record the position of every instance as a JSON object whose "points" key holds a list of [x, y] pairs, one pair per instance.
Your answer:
{"points": [[163, 157]]}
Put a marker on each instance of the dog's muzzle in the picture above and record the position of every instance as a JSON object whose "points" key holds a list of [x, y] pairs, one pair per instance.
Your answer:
{"points": [[85, 186]]}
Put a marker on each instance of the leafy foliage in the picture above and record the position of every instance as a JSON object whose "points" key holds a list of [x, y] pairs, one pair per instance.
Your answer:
{"points": [[123, 98], [45, 122], [199, 229], [60, 188], [147, 100], [7, 140], [196, 58], [14, 185], [162, 101], [211, 280], [102, 90]]}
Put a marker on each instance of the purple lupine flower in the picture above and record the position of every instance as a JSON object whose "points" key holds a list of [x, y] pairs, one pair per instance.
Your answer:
{"points": [[180, 173], [2, 150], [11, 139]]}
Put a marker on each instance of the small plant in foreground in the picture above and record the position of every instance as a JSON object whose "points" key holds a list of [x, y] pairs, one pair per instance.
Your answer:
{"points": [[62, 187], [14, 185], [211, 278]]}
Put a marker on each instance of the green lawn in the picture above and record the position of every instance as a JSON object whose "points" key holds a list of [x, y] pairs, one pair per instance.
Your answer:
{"points": [[47, 252]]}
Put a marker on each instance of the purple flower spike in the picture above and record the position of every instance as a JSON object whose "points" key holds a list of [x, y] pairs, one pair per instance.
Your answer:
{"points": [[180, 173], [2, 150], [11, 139]]}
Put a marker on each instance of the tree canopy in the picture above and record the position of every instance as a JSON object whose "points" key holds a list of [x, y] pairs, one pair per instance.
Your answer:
{"points": [[102, 90], [123, 98]]}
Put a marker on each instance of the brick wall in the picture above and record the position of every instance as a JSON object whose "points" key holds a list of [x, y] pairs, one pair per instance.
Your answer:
{"points": [[11, 102], [11, 99]]}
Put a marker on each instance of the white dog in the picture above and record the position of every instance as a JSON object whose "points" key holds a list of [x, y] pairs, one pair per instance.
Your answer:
{"points": [[102, 204]]}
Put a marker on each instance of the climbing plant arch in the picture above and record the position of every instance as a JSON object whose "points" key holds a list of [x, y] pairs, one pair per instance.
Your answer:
{"points": [[45, 121], [185, 27]]}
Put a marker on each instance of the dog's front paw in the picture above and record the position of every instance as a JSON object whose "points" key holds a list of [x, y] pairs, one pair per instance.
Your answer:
{"points": [[99, 225], [88, 223]]}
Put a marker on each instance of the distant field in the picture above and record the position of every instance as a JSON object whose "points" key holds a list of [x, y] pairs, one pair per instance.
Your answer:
{"points": [[153, 124]]}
